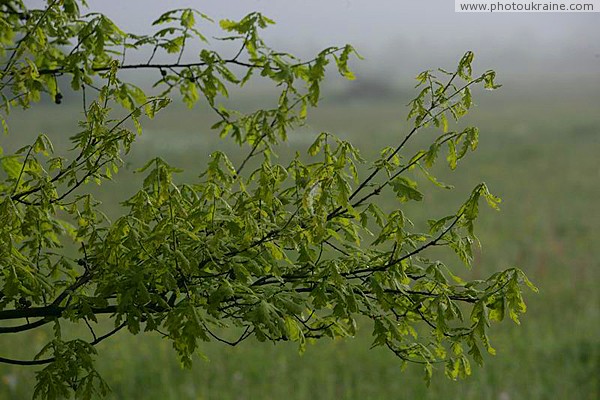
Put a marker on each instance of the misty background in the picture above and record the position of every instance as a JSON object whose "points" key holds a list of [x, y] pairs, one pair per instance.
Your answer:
{"points": [[400, 38]]}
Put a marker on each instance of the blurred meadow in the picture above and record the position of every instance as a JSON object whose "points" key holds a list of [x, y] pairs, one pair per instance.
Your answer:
{"points": [[538, 151]]}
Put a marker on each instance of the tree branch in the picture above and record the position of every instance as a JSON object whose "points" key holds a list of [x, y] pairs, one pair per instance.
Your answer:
{"points": [[47, 311], [25, 327], [52, 359], [412, 253]]}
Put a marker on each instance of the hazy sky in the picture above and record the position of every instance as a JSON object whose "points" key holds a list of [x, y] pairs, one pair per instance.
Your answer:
{"points": [[402, 33]]}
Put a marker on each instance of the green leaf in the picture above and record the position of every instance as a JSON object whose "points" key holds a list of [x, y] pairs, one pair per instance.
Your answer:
{"points": [[406, 189], [452, 156], [315, 148], [12, 165], [489, 80]]}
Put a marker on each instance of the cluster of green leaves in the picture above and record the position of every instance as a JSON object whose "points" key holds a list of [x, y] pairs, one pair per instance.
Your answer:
{"points": [[277, 251]]}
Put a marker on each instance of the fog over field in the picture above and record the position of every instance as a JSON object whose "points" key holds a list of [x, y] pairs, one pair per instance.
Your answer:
{"points": [[401, 37]]}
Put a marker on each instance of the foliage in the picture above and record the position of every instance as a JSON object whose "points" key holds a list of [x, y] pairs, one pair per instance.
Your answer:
{"points": [[291, 251]]}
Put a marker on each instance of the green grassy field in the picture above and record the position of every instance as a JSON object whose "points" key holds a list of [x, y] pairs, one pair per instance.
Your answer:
{"points": [[538, 151]]}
